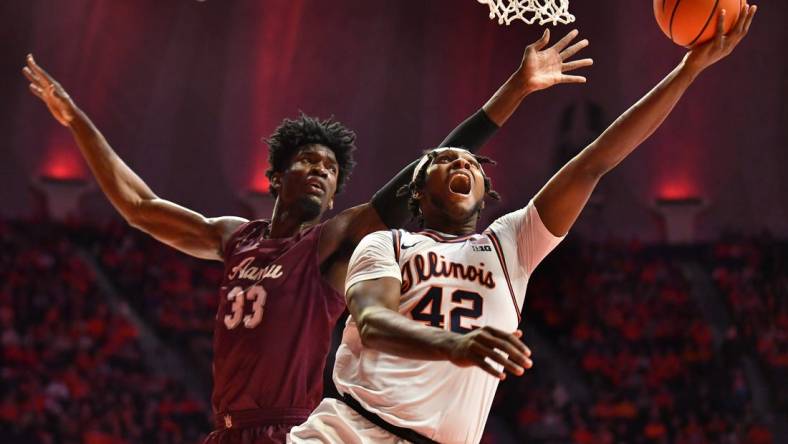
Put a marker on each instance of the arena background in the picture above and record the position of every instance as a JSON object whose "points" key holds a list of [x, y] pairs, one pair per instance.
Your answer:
{"points": [[186, 90]]}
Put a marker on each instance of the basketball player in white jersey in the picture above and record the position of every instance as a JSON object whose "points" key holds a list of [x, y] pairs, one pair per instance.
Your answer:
{"points": [[434, 313]]}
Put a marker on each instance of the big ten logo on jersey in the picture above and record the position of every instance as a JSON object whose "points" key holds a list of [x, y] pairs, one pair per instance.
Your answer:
{"points": [[255, 294], [481, 244]]}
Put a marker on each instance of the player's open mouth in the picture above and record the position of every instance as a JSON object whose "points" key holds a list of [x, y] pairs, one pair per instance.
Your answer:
{"points": [[313, 186], [460, 183]]}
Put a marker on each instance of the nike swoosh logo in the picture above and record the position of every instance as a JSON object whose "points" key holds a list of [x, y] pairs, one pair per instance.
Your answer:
{"points": [[405, 247]]}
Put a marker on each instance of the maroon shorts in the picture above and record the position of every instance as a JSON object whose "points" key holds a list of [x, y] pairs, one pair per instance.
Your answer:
{"points": [[269, 434]]}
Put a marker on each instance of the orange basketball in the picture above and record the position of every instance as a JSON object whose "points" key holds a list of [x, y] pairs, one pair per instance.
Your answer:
{"points": [[690, 22]]}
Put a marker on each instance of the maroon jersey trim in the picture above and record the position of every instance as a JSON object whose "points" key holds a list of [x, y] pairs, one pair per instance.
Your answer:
{"points": [[499, 251], [233, 240], [395, 236]]}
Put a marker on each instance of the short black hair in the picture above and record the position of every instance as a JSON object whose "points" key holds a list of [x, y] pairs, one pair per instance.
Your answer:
{"points": [[421, 178], [292, 135]]}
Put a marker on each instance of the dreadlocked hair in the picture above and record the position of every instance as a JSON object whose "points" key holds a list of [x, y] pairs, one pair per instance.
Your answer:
{"points": [[421, 177], [292, 135]]}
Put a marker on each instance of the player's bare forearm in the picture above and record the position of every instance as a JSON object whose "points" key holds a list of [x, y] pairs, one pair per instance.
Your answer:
{"points": [[506, 100], [386, 330], [540, 68], [562, 199], [638, 122], [172, 224], [125, 190], [176, 226], [373, 305]]}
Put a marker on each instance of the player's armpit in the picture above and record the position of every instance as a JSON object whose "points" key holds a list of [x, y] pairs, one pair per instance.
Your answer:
{"points": [[346, 230], [184, 229]]}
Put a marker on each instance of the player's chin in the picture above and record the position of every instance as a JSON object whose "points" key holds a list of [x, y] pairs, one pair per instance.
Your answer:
{"points": [[462, 209], [311, 206]]}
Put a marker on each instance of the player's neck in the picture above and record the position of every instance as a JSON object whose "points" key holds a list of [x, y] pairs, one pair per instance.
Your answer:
{"points": [[288, 221], [453, 227]]}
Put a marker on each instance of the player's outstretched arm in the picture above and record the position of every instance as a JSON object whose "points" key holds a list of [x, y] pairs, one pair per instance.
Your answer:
{"points": [[170, 223], [541, 67], [373, 306], [560, 201]]}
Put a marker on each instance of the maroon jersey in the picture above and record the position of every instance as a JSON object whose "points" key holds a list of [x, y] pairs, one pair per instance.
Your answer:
{"points": [[273, 327]]}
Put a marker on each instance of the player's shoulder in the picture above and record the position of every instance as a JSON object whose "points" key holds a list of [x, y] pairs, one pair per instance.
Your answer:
{"points": [[377, 236], [393, 241], [248, 232], [513, 219]]}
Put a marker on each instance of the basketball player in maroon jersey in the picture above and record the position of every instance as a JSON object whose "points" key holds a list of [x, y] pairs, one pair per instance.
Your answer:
{"points": [[282, 290]]}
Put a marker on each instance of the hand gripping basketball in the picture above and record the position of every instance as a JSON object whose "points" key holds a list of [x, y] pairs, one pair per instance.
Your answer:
{"points": [[476, 347], [705, 55]]}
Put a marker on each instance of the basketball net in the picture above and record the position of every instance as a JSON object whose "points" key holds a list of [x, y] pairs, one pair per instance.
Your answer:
{"points": [[530, 11]]}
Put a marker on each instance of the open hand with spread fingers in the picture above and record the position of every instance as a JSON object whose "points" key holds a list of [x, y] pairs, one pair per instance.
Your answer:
{"points": [[704, 55], [506, 349], [543, 67], [43, 86]]}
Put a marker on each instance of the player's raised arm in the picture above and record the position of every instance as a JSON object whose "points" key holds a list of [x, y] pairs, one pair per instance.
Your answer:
{"points": [[541, 67], [170, 223], [563, 197]]}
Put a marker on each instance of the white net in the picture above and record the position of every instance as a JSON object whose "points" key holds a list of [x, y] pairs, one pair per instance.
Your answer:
{"points": [[530, 11]]}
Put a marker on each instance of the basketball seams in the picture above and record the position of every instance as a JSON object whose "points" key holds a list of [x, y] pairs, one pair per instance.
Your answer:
{"points": [[672, 18], [708, 20], [690, 23]]}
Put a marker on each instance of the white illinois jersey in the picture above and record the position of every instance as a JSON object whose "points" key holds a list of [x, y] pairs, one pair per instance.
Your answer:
{"points": [[454, 283]]}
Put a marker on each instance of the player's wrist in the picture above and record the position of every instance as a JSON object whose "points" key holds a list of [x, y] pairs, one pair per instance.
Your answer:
{"points": [[449, 345], [78, 120], [520, 82], [690, 66]]}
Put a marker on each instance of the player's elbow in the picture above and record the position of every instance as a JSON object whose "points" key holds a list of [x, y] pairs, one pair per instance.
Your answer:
{"points": [[135, 215], [368, 331], [591, 167], [365, 332]]}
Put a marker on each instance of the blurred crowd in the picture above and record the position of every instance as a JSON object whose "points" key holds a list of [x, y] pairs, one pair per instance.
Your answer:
{"points": [[621, 315], [175, 294], [73, 370], [624, 315], [752, 276]]}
